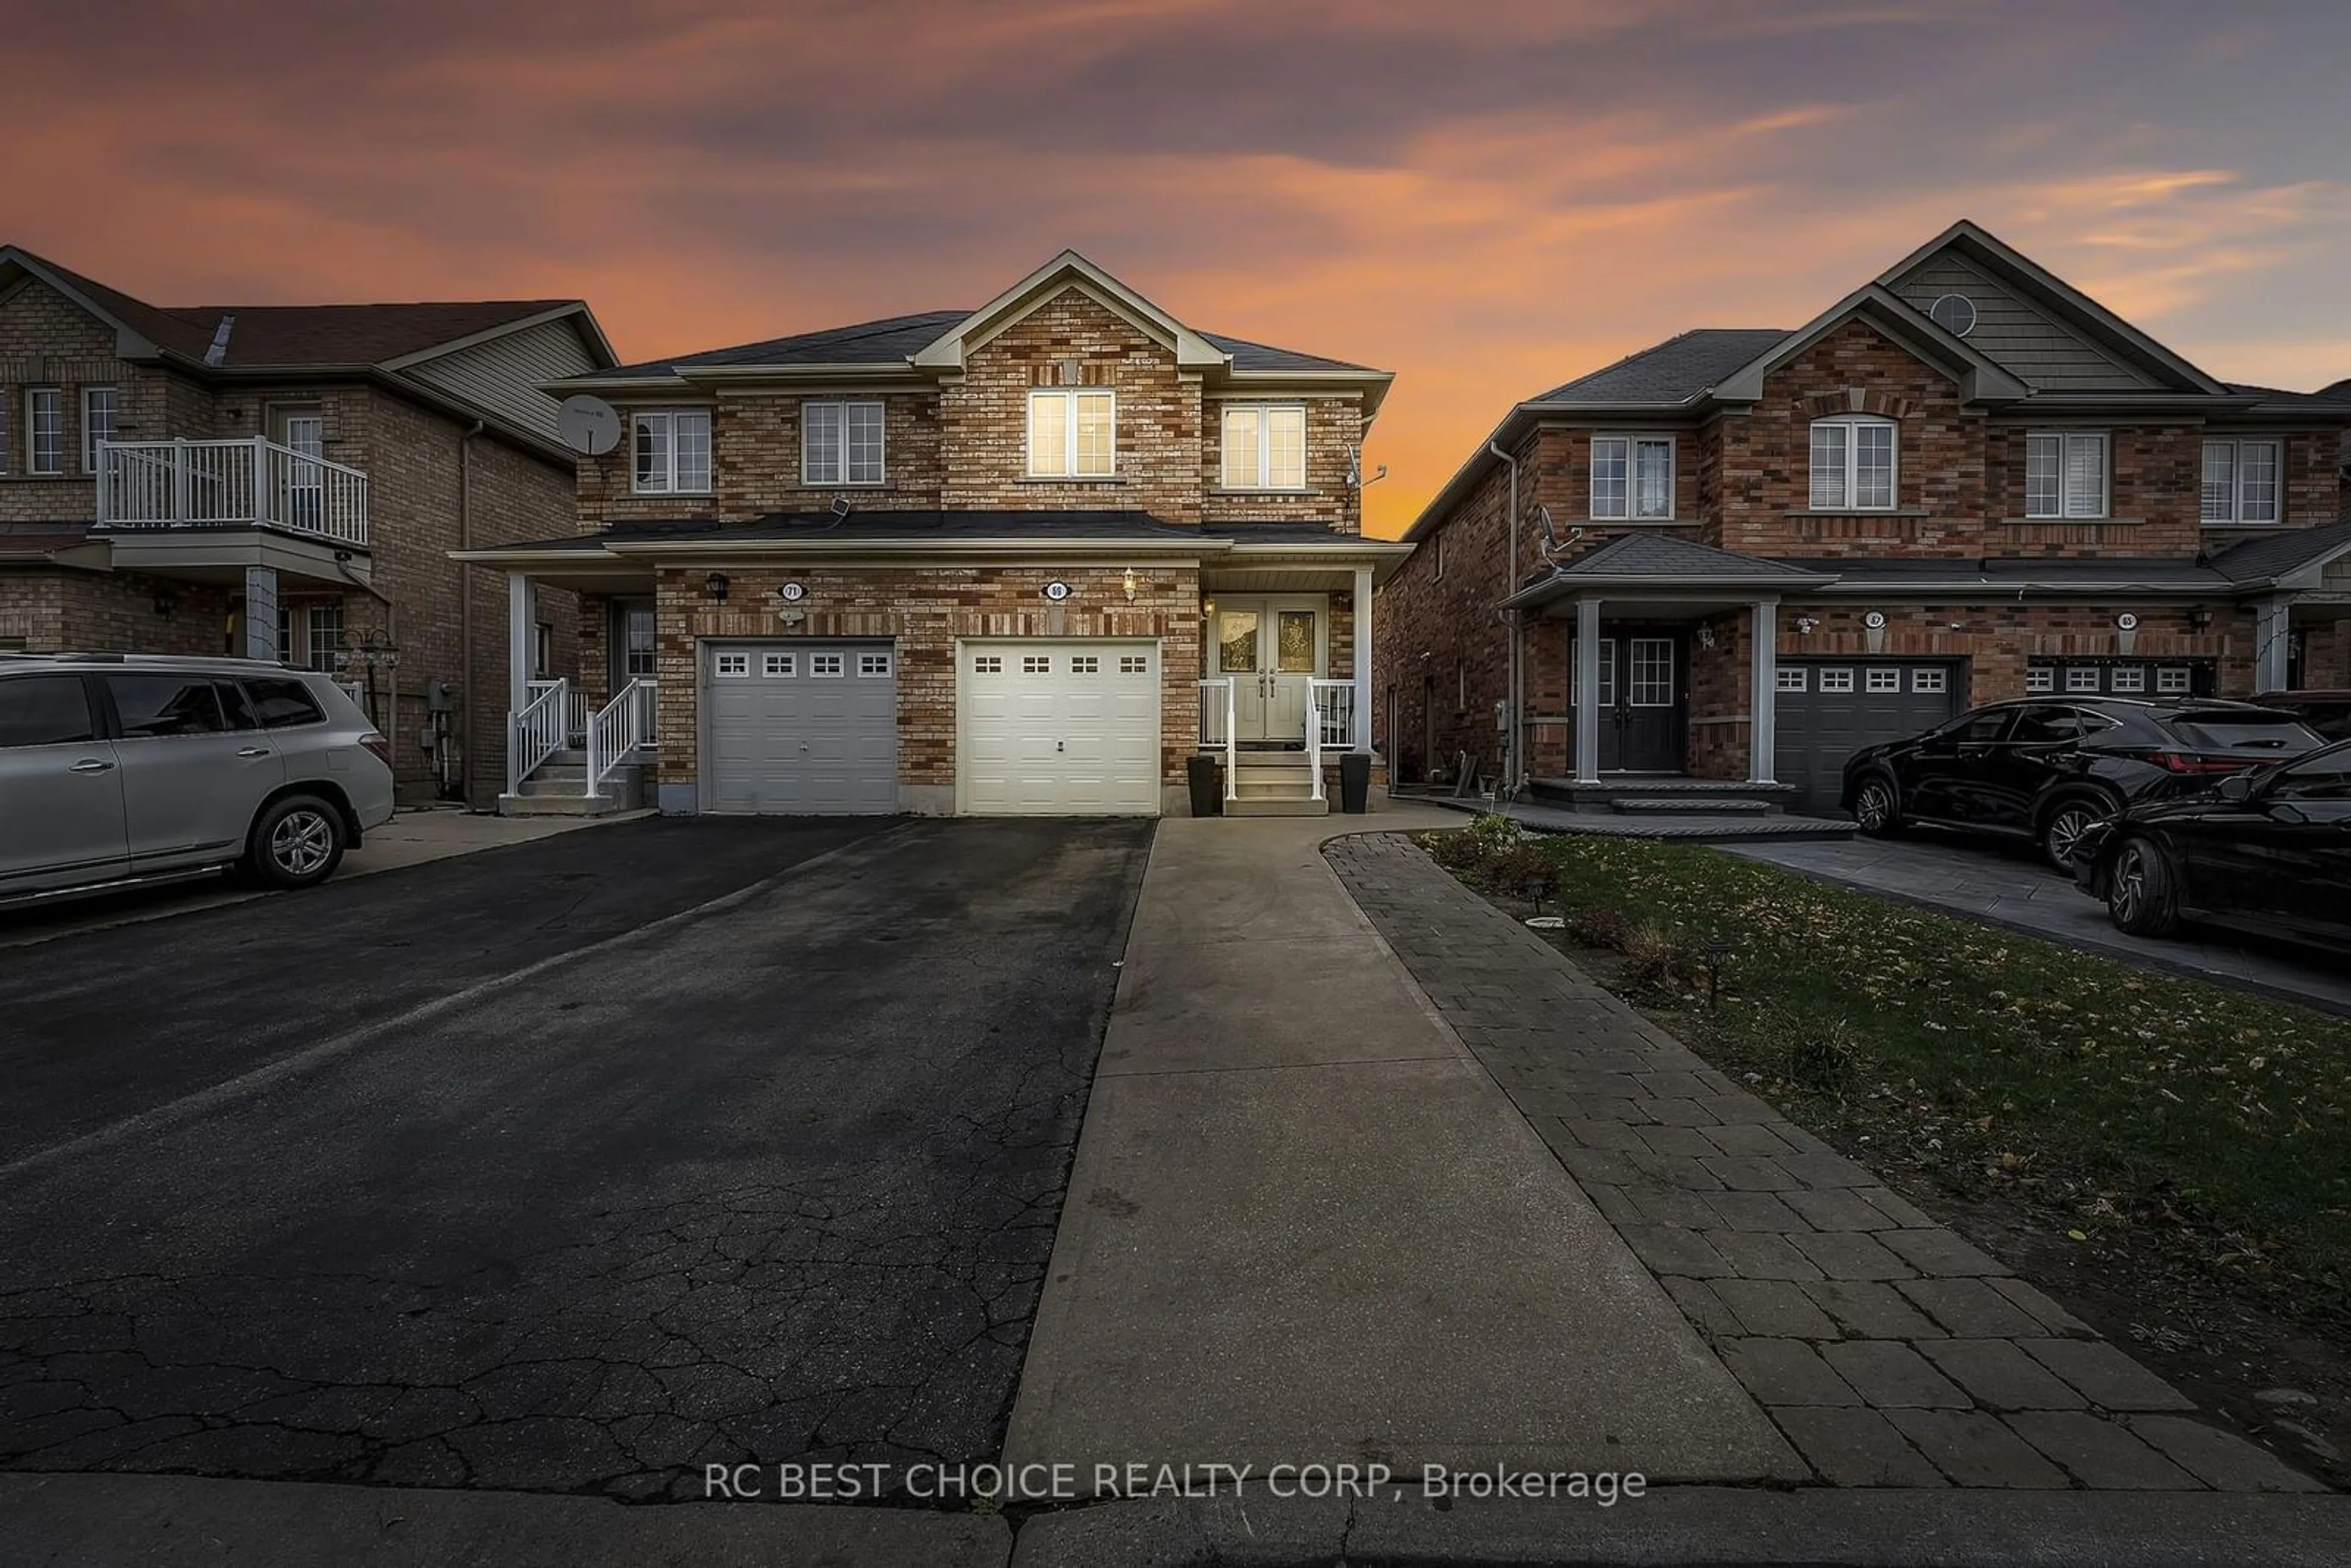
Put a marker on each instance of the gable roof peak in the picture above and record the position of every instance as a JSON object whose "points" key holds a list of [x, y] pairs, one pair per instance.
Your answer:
{"points": [[1192, 350]]}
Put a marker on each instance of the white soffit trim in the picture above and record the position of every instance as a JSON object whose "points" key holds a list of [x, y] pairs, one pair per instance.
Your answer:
{"points": [[947, 351]]}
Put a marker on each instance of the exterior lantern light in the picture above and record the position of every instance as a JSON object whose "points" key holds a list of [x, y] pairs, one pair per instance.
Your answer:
{"points": [[1127, 582], [2199, 618], [714, 585]]}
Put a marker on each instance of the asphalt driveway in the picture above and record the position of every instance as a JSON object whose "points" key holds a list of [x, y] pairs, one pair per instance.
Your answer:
{"points": [[2008, 884], [568, 1166]]}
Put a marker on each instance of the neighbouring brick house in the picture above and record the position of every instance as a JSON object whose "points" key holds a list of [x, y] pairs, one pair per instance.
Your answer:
{"points": [[1965, 481], [287, 482], [1035, 558]]}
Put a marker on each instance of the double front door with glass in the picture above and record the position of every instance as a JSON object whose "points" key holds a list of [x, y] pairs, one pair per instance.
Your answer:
{"points": [[1642, 703], [1269, 649]]}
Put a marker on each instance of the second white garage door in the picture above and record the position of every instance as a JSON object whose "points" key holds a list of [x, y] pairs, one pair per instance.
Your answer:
{"points": [[1057, 727]]}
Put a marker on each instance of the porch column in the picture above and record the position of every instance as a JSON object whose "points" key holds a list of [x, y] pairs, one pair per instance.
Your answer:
{"points": [[1363, 736], [521, 616], [1763, 704], [2273, 643], [1587, 691]]}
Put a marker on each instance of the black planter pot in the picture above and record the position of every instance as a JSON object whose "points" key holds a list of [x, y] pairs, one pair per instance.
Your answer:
{"points": [[1207, 777], [1354, 782]]}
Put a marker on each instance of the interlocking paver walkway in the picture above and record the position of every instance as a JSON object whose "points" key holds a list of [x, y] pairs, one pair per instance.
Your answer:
{"points": [[1889, 1350]]}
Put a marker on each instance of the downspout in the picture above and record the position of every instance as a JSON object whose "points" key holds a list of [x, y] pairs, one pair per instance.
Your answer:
{"points": [[464, 614], [1515, 769]]}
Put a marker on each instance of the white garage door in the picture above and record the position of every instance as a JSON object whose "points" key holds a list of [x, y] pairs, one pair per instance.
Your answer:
{"points": [[1060, 727], [804, 728]]}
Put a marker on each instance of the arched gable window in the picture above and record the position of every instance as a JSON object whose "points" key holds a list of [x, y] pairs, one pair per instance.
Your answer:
{"points": [[1853, 463]]}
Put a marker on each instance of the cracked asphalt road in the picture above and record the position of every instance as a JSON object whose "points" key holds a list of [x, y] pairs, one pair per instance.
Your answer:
{"points": [[534, 1169]]}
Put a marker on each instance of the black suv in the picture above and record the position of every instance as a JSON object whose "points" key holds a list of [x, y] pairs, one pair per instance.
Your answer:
{"points": [[2049, 767]]}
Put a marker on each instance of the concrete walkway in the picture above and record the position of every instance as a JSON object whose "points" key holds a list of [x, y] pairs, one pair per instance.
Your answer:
{"points": [[1305, 1227]]}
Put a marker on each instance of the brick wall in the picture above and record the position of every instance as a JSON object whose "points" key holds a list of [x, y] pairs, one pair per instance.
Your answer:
{"points": [[51, 609], [1332, 425], [984, 416], [926, 610], [1439, 664]]}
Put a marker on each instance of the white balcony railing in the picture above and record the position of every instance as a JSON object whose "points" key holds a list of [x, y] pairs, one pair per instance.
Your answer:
{"points": [[247, 483]]}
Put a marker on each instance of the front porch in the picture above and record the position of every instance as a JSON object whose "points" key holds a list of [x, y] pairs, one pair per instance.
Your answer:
{"points": [[1652, 674], [584, 742], [1285, 682]]}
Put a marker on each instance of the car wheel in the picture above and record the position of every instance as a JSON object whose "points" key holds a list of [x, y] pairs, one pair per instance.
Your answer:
{"points": [[296, 843], [2141, 898], [1876, 807], [2062, 833]]}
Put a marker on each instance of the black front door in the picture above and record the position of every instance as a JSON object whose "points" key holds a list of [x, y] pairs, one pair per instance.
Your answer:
{"points": [[1643, 702]]}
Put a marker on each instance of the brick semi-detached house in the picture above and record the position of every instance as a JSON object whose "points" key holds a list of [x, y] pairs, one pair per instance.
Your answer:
{"points": [[1965, 481], [288, 481], [1036, 558]]}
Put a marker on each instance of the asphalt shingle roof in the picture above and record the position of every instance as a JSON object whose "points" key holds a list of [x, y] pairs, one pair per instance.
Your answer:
{"points": [[893, 339], [1674, 371], [301, 337], [1662, 555], [2280, 553]]}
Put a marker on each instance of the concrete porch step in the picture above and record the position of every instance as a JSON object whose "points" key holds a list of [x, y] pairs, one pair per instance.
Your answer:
{"points": [[1711, 805], [560, 805], [1276, 806]]}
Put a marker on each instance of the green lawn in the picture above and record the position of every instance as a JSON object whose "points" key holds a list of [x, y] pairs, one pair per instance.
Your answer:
{"points": [[2107, 1096]]}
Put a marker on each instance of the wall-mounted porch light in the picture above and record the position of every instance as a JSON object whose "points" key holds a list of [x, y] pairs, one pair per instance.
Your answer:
{"points": [[714, 585], [1127, 582], [2199, 618], [1706, 636], [166, 601], [1207, 607], [1805, 625]]}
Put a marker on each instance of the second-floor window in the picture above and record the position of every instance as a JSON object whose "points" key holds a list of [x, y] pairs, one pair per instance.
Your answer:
{"points": [[97, 412], [45, 430], [1853, 465], [1265, 448], [1632, 477], [673, 452], [2241, 481], [1072, 432], [2066, 475], [841, 442]]}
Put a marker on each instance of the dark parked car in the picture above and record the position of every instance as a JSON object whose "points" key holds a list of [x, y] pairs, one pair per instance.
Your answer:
{"points": [[2328, 713], [2048, 768], [2267, 851]]}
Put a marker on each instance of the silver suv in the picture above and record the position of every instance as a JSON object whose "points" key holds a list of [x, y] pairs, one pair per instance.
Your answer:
{"points": [[120, 768]]}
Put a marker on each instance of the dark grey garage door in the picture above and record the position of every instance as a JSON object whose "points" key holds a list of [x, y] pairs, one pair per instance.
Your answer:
{"points": [[799, 728], [1830, 708]]}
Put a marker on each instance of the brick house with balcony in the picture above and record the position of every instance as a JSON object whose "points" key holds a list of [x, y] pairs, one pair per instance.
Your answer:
{"points": [[1030, 558], [287, 482], [1965, 481]]}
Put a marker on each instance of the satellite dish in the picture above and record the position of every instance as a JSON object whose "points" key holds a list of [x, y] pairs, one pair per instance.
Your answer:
{"points": [[589, 425]]}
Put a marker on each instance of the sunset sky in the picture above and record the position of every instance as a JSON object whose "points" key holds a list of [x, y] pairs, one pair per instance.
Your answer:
{"points": [[1488, 198]]}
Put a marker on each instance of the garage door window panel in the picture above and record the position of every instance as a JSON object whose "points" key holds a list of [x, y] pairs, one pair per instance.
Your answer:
{"points": [[778, 667], [828, 666], [732, 666]]}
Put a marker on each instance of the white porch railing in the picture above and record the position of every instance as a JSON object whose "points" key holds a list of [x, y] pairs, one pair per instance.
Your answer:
{"points": [[618, 729], [1335, 701], [247, 483], [575, 709], [1218, 730], [539, 731], [1313, 743]]}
